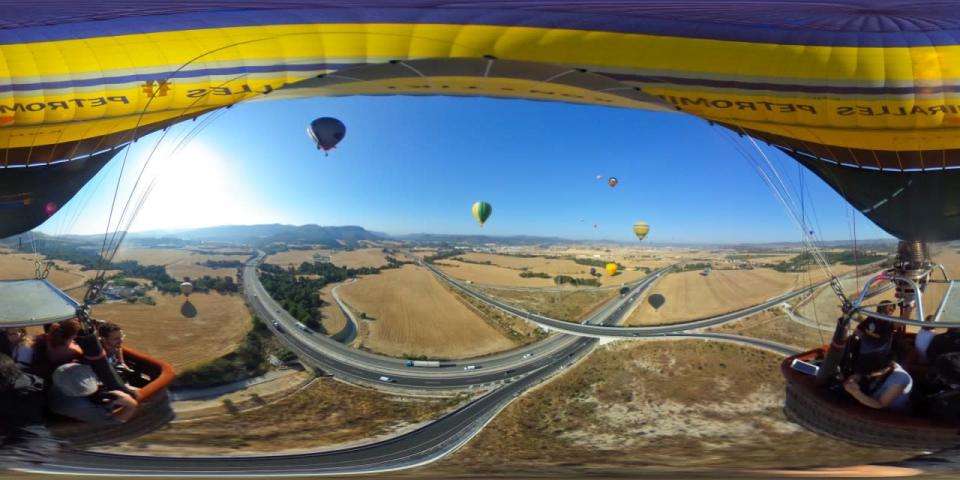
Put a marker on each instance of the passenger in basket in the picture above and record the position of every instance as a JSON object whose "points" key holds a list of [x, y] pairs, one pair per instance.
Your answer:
{"points": [[20, 345], [76, 393], [881, 383], [23, 433], [56, 347]]}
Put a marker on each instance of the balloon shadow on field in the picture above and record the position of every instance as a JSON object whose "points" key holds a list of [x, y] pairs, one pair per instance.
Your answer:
{"points": [[188, 310], [656, 301]]}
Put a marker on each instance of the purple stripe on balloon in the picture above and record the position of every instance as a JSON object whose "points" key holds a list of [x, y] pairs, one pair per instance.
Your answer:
{"points": [[859, 23]]}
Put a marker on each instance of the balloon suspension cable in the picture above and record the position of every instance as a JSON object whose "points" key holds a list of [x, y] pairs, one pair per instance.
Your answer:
{"points": [[770, 175], [110, 249]]}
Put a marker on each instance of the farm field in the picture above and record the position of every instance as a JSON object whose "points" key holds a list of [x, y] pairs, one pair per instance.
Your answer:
{"points": [[218, 326], [361, 257], [635, 405], [66, 276], [691, 295], [505, 270], [182, 263], [414, 314], [570, 304]]}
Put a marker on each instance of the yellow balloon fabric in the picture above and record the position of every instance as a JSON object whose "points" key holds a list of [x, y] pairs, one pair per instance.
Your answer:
{"points": [[641, 229], [612, 269], [89, 78], [845, 89]]}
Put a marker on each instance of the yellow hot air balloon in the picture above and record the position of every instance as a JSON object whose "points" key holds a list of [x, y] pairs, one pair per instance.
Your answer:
{"points": [[640, 229], [611, 269]]}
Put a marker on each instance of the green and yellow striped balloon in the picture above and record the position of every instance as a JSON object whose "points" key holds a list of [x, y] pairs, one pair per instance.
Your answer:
{"points": [[482, 211]]}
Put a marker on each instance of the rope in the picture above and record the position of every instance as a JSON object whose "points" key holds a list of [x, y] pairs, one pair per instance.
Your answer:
{"points": [[776, 184]]}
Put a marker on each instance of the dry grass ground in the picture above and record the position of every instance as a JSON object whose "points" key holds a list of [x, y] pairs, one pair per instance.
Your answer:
{"points": [[361, 257], [183, 263], [333, 318], [295, 257], [152, 256], [573, 305], [327, 413], [184, 269], [504, 270], [414, 314], [162, 330], [66, 276], [520, 331], [682, 404], [690, 295], [775, 325]]}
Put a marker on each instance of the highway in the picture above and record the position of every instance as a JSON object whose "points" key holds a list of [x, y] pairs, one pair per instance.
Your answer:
{"points": [[419, 447], [365, 368], [608, 329]]}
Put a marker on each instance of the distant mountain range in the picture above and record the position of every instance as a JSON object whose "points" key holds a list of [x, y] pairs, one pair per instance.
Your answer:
{"points": [[267, 234], [351, 235]]}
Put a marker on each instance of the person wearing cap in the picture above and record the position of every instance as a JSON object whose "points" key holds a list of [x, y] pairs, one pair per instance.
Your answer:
{"points": [[76, 394], [881, 383]]}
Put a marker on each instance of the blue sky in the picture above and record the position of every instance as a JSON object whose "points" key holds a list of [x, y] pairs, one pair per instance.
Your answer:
{"points": [[416, 164]]}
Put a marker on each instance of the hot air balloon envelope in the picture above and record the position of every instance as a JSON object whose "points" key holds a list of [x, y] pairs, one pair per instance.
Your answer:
{"points": [[612, 269], [481, 212], [186, 288], [640, 229], [326, 132], [612, 182]]}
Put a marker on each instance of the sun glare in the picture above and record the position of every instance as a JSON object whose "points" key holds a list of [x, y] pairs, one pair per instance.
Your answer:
{"points": [[196, 187]]}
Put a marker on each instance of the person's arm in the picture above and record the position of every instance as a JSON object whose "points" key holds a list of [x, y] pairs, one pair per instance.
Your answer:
{"points": [[127, 406], [853, 388]]}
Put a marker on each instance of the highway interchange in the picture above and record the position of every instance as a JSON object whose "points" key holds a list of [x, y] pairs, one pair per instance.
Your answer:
{"points": [[502, 377]]}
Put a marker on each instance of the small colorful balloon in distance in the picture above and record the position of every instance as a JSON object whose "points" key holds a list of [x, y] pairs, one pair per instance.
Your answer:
{"points": [[613, 182], [612, 269], [481, 212], [599, 177], [50, 208]]}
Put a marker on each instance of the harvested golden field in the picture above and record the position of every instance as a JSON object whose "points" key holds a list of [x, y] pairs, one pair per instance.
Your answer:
{"points": [[66, 276], [491, 275], [573, 305], [691, 296], [685, 404], [520, 331], [333, 318], [505, 270], [220, 323], [325, 414], [363, 257], [414, 314], [152, 256], [183, 269], [183, 263], [295, 257]]}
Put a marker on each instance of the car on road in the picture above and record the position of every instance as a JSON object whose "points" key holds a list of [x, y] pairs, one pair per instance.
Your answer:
{"points": [[277, 325], [470, 367], [527, 355], [384, 378]]}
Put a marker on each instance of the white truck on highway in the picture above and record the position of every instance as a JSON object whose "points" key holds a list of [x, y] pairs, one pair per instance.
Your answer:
{"points": [[303, 327], [423, 363]]}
